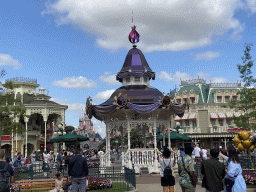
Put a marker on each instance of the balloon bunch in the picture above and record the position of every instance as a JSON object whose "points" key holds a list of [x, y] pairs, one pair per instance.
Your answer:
{"points": [[245, 140]]}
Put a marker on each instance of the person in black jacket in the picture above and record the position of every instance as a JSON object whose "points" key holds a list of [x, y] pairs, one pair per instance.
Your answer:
{"points": [[78, 170]]}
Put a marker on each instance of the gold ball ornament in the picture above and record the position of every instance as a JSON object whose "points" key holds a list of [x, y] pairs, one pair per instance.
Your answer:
{"points": [[243, 135], [236, 139], [240, 147], [250, 133], [237, 149], [251, 147], [247, 143]]}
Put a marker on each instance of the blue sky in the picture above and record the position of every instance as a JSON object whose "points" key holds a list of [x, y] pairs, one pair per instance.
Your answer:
{"points": [[75, 48]]}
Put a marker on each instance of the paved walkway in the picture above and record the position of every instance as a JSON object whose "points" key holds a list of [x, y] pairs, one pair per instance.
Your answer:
{"points": [[152, 184]]}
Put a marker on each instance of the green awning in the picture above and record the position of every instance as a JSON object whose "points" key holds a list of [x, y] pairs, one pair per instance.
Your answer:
{"points": [[174, 135], [70, 137]]}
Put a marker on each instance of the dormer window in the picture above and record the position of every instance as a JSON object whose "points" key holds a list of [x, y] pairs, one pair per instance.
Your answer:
{"points": [[145, 79], [137, 79], [128, 80]]}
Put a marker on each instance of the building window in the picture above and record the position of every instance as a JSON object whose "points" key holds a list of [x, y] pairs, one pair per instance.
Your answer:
{"points": [[213, 122], [193, 100], [228, 121], [234, 98], [185, 101], [127, 80], [226, 99], [221, 122], [194, 123], [178, 100], [219, 99], [145, 79], [187, 123], [181, 123], [137, 79]]}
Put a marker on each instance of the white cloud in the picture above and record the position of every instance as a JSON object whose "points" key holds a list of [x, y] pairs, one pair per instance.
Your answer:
{"points": [[209, 55], [167, 77], [178, 76], [100, 127], [108, 78], [75, 83], [104, 95], [251, 5], [163, 24], [74, 107], [7, 60]]}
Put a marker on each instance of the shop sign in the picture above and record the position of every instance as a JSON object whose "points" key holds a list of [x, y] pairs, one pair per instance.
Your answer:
{"points": [[234, 130], [6, 138]]}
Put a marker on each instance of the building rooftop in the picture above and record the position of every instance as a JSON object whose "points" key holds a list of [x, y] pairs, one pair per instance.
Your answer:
{"points": [[22, 79]]}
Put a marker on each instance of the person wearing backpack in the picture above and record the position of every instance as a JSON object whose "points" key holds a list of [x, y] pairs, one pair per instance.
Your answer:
{"points": [[6, 174], [167, 177]]}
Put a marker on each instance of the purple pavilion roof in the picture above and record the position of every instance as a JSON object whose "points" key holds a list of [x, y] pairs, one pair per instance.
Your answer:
{"points": [[135, 64]]}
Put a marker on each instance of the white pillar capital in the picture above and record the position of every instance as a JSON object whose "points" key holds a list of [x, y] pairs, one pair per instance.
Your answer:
{"points": [[26, 119]]}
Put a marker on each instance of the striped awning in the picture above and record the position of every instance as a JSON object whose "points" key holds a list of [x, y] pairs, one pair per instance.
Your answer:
{"points": [[177, 118], [185, 116], [222, 115], [192, 116], [214, 115], [237, 114], [229, 114]]}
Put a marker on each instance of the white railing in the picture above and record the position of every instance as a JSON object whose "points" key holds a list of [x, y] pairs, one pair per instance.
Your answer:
{"points": [[105, 159]]}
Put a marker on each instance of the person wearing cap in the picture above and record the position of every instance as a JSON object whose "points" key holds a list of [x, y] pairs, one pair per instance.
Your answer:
{"points": [[78, 170]]}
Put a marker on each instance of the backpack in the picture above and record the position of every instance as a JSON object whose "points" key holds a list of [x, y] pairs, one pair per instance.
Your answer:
{"points": [[5, 179], [167, 170]]}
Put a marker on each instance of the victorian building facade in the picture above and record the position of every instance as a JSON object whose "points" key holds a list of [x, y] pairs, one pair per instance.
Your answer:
{"points": [[206, 119], [43, 118]]}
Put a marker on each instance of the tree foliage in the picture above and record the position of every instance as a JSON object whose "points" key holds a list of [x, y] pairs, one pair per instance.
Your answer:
{"points": [[69, 129], [12, 112], [247, 93]]}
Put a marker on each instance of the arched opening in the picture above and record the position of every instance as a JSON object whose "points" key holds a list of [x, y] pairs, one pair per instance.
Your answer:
{"points": [[7, 149], [30, 149]]}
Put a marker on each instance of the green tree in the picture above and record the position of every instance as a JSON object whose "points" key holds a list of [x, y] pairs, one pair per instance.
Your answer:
{"points": [[69, 129], [247, 94], [136, 137], [11, 109]]}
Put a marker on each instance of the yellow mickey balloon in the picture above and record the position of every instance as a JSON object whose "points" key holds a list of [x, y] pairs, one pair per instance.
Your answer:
{"points": [[250, 133], [247, 143], [251, 147], [236, 139], [237, 149], [243, 135], [240, 147]]}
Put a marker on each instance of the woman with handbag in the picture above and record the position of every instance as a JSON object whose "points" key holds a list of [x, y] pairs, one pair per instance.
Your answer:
{"points": [[233, 181]]}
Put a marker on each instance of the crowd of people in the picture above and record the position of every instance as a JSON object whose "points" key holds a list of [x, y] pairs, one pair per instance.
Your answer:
{"points": [[212, 169]]}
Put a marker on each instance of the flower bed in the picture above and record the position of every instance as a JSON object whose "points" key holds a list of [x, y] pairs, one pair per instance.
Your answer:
{"points": [[93, 164], [95, 183], [249, 176]]}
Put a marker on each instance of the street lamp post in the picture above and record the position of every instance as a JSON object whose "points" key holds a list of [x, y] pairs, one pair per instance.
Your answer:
{"points": [[177, 129]]}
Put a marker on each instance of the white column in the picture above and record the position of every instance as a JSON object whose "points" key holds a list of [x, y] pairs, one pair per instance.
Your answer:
{"points": [[106, 136], [168, 132], [12, 145], [45, 136], [155, 146], [26, 144], [225, 142], [64, 125], [16, 147], [129, 135]]}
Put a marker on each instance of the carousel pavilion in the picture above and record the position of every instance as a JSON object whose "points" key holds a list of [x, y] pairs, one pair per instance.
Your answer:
{"points": [[136, 105]]}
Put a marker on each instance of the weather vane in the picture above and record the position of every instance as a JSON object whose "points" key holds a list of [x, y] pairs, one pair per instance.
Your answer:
{"points": [[134, 35]]}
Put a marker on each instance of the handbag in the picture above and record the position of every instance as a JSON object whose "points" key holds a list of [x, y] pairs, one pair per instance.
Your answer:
{"points": [[193, 183], [229, 182]]}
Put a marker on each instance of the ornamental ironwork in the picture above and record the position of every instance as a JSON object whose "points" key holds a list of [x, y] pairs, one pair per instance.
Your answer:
{"points": [[22, 79], [121, 101]]}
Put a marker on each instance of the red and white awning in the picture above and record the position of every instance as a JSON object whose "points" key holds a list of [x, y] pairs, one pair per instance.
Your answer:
{"points": [[222, 115], [237, 114], [229, 114], [214, 115], [192, 116], [185, 117], [177, 118]]}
